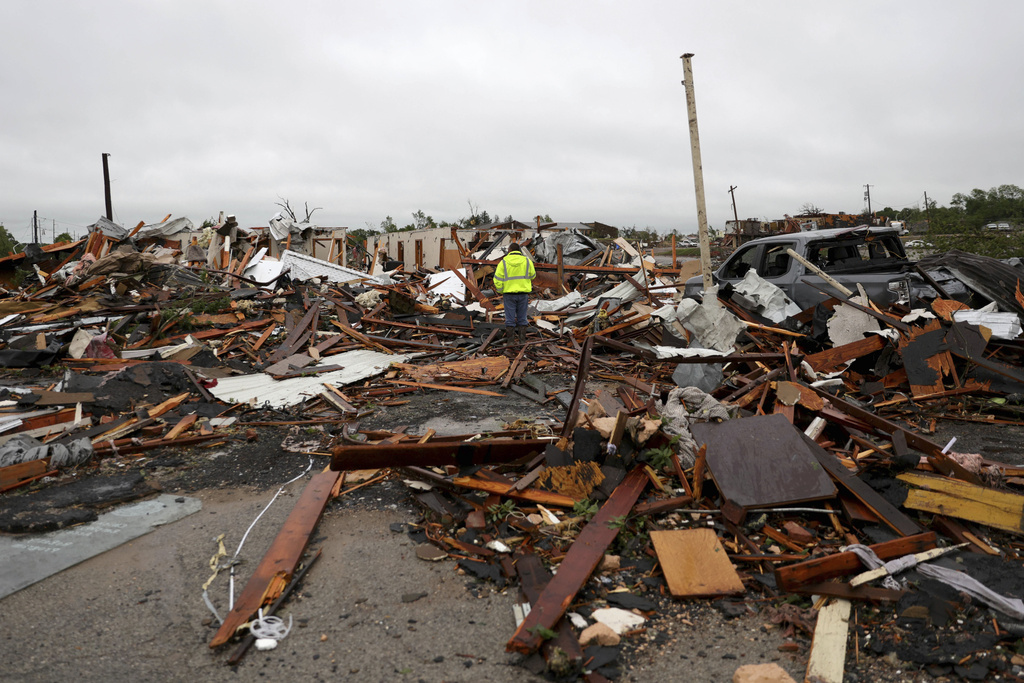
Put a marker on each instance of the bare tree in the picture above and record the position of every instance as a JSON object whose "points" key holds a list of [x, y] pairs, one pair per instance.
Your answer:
{"points": [[284, 204], [809, 208]]}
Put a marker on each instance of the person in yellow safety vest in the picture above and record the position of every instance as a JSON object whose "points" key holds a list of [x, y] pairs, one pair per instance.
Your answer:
{"points": [[513, 279]]}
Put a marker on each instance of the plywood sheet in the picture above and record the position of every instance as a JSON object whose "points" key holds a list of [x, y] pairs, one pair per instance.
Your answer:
{"points": [[762, 461], [695, 563]]}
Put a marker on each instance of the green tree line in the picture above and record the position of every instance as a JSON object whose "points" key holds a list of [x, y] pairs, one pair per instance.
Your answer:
{"points": [[962, 224]]}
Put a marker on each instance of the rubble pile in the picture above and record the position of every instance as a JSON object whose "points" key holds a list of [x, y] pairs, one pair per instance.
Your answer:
{"points": [[734, 449]]}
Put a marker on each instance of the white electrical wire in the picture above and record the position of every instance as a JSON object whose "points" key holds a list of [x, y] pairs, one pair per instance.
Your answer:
{"points": [[234, 558], [231, 575]]}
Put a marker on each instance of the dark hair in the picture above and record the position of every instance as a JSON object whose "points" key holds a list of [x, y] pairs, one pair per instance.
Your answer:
{"points": [[514, 247]]}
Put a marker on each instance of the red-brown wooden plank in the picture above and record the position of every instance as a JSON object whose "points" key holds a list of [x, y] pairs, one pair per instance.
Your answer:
{"points": [[284, 554], [579, 563]]}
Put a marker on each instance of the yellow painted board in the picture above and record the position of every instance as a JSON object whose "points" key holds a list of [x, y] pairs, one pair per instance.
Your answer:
{"points": [[989, 513], [695, 564]]}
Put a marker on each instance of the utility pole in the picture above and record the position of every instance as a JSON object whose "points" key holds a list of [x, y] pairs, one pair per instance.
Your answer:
{"points": [[867, 196], [106, 187], [927, 210], [35, 227], [698, 173], [736, 218]]}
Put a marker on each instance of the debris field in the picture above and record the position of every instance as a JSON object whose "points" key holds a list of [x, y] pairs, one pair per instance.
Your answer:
{"points": [[728, 450]]}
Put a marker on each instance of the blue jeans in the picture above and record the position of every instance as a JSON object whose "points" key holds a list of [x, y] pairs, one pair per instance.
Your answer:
{"points": [[515, 309]]}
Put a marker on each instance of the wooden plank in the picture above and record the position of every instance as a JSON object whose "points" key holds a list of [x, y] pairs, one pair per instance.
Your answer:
{"points": [[445, 387], [436, 453], [960, 499], [695, 563], [579, 563], [500, 489], [828, 649], [848, 592], [831, 359], [281, 560], [13, 474], [820, 569], [182, 425]]}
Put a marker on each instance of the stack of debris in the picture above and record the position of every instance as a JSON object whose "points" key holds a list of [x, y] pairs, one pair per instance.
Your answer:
{"points": [[728, 449]]}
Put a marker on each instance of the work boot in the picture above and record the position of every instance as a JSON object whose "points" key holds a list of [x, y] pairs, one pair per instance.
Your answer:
{"points": [[510, 336], [521, 331]]}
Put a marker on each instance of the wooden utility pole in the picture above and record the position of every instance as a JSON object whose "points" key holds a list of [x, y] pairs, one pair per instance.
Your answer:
{"points": [[867, 195], [732, 193], [106, 187], [927, 210], [35, 227], [698, 173]]}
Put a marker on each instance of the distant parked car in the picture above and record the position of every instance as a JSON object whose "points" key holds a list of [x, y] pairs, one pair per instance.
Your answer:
{"points": [[918, 244]]}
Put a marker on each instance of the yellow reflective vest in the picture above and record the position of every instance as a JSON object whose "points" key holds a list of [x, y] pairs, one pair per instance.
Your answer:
{"points": [[514, 274]]}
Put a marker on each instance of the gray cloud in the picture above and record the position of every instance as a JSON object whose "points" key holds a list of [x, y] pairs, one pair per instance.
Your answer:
{"points": [[574, 109]]}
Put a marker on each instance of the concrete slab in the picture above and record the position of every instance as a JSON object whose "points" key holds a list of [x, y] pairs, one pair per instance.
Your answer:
{"points": [[25, 560]]}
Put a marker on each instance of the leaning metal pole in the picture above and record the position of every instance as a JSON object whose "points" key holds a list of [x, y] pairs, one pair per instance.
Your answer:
{"points": [[698, 174]]}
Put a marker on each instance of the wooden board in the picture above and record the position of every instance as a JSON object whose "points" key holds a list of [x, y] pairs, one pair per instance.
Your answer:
{"points": [[828, 649], [284, 554], [820, 569], [960, 499], [579, 563], [762, 461], [695, 563]]}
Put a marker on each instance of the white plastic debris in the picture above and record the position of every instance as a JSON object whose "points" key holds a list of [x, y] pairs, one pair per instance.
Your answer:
{"points": [[619, 620]]}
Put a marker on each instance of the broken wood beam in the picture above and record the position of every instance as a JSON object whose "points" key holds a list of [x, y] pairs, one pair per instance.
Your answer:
{"points": [[578, 564], [282, 559], [435, 454], [820, 569]]}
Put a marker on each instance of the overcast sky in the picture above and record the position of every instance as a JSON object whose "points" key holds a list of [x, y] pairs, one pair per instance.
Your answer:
{"points": [[573, 109]]}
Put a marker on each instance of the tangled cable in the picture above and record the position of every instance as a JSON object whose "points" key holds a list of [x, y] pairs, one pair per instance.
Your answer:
{"points": [[270, 627]]}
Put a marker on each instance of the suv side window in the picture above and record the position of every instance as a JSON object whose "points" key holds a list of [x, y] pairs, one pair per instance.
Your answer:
{"points": [[776, 260], [742, 261]]}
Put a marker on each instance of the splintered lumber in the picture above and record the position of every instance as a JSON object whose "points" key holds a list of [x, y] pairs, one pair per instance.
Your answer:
{"points": [[502, 489], [831, 359], [980, 504], [792, 577], [435, 453], [939, 460], [828, 649], [281, 560], [695, 563], [878, 505], [183, 424], [579, 563]]}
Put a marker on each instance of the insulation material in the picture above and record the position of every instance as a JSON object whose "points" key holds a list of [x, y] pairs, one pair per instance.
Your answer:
{"points": [[768, 300]]}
